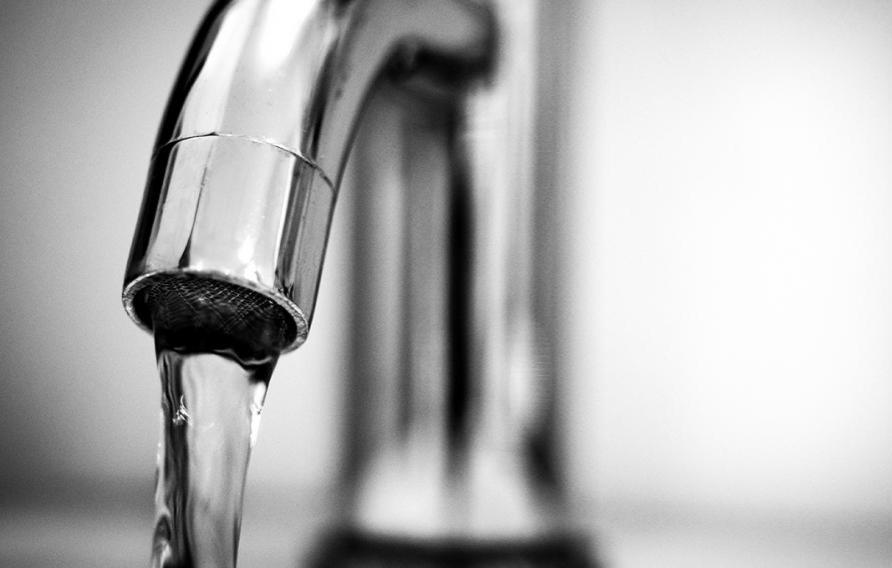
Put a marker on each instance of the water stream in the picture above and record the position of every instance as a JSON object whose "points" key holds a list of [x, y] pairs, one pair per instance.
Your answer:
{"points": [[211, 405]]}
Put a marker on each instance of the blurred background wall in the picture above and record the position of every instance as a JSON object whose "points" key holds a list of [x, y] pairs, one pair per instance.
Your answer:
{"points": [[726, 304], [730, 253]]}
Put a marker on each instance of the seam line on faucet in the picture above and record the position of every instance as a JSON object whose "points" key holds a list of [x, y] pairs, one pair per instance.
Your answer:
{"points": [[256, 139]]}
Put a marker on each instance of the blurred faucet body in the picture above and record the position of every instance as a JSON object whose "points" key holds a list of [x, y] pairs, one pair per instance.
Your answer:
{"points": [[453, 437]]}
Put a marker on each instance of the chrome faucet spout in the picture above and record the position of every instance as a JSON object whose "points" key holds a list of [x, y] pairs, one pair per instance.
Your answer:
{"points": [[452, 429], [251, 150]]}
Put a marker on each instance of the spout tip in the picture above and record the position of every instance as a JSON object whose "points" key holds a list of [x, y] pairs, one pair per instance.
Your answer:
{"points": [[231, 212], [215, 309]]}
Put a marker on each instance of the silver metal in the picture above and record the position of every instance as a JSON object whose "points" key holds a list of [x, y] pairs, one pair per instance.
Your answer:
{"points": [[452, 430], [258, 128], [452, 434]]}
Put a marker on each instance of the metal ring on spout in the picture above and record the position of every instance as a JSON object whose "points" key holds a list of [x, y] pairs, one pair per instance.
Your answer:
{"points": [[237, 211]]}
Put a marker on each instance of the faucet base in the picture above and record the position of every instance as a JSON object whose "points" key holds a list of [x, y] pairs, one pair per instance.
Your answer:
{"points": [[351, 549]]}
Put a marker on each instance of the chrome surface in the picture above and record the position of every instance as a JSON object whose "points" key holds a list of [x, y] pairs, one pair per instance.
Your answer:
{"points": [[452, 433], [258, 127], [452, 426]]}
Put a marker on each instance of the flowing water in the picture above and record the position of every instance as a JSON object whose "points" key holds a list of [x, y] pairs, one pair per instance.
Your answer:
{"points": [[211, 405]]}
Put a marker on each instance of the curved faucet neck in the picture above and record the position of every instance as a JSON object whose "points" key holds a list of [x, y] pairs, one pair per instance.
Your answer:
{"points": [[297, 74], [258, 130]]}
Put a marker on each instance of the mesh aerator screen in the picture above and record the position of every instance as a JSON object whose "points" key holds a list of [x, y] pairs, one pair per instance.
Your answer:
{"points": [[203, 314]]}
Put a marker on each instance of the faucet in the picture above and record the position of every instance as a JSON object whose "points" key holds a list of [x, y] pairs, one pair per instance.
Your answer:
{"points": [[452, 436]]}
